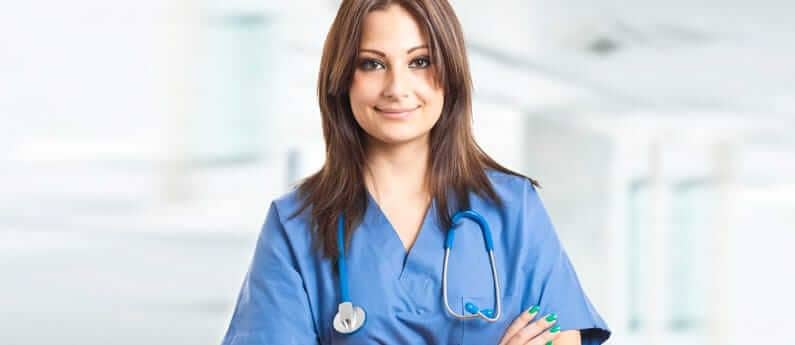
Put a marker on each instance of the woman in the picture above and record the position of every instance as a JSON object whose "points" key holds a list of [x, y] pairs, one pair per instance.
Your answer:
{"points": [[395, 97]]}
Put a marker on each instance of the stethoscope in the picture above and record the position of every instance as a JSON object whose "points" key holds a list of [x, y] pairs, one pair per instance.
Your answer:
{"points": [[350, 318]]}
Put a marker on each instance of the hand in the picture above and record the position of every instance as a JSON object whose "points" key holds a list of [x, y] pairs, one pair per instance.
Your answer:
{"points": [[522, 332]]}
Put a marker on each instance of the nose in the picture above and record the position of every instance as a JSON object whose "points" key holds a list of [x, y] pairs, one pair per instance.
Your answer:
{"points": [[398, 83]]}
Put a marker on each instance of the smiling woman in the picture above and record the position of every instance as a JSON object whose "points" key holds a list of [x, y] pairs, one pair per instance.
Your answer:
{"points": [[361, 252]]}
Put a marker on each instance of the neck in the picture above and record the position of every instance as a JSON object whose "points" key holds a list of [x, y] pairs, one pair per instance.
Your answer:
{"points": [[398, 171]]}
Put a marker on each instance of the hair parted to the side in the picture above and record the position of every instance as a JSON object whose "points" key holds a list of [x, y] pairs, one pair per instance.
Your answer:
{"points": [[457, 165]]}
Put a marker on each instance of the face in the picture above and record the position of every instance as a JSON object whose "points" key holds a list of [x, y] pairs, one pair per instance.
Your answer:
{"points": [[393, 95]]}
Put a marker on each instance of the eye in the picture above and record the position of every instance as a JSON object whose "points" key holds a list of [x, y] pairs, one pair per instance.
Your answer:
{"points": [[370, 64], [421, 62]]}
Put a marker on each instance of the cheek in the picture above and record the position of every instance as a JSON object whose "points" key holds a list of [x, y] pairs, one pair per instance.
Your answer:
{"points": [[363, 95], [363, 91], [430, 93], [434, 100]]}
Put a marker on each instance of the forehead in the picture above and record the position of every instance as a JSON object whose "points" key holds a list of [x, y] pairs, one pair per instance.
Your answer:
{"points": [[391, 30]]}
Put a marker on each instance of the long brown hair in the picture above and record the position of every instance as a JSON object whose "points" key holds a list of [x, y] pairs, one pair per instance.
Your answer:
{"points": [[457, 165]]}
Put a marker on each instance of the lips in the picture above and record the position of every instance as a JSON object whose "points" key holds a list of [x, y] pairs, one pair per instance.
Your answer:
{"points": [[401, 113], [395, 110]]}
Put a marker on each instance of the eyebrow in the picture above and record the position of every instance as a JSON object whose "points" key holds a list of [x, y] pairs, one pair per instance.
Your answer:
{"points": [[384, 55]]}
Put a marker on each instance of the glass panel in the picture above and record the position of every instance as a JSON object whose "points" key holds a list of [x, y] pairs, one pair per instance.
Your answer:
{"points": [[636, 238], [232, 87], [689, 254]]}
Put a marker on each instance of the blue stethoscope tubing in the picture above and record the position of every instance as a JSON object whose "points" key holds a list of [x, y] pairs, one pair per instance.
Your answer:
{"points": [[350, 318], [490, 315], [343, 271]]}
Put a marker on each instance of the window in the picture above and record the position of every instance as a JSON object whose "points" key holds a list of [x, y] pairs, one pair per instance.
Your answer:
{"points": [[232, 87], [689, 254], [636, 240]]}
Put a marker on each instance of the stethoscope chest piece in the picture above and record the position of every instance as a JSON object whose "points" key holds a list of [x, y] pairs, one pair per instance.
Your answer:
{"points": [[349, 318]]}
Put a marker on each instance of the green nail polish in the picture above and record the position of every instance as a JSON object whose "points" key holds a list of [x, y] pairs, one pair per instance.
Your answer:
{"points": [[549, 342], [554, 329], [552, 317], [533, 310]]}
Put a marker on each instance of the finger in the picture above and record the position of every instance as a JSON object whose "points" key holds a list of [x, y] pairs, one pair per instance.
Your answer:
{"points": [[546, 338], [533, 330], [519, 323]]}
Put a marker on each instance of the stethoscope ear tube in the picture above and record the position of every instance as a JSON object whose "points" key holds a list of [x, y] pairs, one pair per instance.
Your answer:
{"points": [[484, 228], [490, 316]]}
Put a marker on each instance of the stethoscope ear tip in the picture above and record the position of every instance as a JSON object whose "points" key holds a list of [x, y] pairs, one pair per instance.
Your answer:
{"points": [[488, 312]]}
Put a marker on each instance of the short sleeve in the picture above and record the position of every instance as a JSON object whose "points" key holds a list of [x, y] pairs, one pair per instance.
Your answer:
{"points": [[272, 306], [554, 285]]}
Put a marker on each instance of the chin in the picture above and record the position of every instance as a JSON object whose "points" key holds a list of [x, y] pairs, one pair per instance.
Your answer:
{"points": [[396, 138]]}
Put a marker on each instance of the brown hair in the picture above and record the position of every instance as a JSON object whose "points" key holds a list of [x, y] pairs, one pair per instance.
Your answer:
{"points": [[457, 165]]}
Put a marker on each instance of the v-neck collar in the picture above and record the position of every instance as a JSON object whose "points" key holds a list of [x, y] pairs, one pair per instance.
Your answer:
{"points": [[385, 236]]}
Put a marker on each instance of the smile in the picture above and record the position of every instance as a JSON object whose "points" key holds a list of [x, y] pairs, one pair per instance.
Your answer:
{"points": [[396, 113]]}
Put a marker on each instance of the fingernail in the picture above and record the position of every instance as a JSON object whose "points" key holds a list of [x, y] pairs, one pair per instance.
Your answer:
{"points": [[533, 309], [554, 329], [552, 317], [549, 342]]}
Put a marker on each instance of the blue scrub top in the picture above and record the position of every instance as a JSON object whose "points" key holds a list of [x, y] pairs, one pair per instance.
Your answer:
{"points": [[290, 293]]}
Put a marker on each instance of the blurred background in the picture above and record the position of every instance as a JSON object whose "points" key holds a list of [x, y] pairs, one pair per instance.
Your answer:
{"points": [[144, 140]]}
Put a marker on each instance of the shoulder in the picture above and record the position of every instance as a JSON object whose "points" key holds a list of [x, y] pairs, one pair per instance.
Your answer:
{"points": [[512, 188], [521, 217], [287, 204], [507, 182], [284, 213], [519, 197]]}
